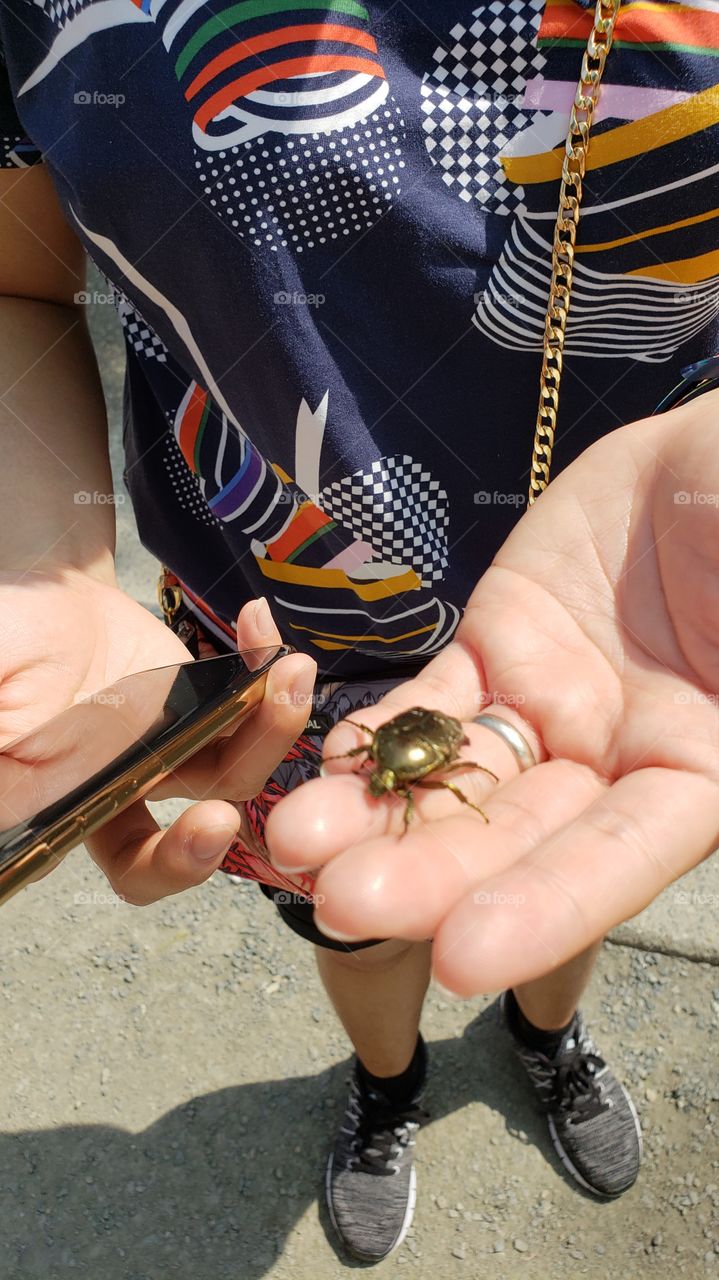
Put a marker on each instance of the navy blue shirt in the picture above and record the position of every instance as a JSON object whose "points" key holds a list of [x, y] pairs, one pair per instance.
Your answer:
{"points": [[327, 227]]}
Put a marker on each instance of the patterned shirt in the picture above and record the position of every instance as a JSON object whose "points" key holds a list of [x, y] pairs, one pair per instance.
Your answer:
{"points": [[327, 229]]}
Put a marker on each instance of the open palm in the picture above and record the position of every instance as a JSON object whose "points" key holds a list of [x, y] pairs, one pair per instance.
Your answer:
{"points": [[594, 632]]}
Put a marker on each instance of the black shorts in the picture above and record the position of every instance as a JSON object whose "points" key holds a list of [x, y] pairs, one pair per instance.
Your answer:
{"points": [[297, 911]]}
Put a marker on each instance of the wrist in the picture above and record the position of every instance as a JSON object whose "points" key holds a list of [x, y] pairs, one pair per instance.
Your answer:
{"points": [[72, 572]]}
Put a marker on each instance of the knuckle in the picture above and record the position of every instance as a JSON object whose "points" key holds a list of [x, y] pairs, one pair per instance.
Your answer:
{"points": [[625, 830], [447, 698], [561, 886]]}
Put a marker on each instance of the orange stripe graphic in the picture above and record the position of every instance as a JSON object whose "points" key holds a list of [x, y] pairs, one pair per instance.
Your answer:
{"points": [[282, 71], [307, 521], [636, 24], [191, 419], [272, 40]]}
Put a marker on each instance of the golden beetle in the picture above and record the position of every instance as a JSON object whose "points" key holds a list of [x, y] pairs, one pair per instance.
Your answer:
{"points": [[411, 746]]}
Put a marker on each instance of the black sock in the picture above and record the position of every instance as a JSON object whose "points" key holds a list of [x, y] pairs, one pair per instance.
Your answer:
{"points": [[406, 1085], [546, 1042]]}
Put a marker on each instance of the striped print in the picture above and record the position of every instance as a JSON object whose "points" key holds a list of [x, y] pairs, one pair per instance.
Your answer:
{"points": [[647, 25], [612, 315], [284, 65]]}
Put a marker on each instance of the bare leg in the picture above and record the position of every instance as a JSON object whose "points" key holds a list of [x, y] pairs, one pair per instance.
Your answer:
{"points": [[550, 1002], [378, 994]]}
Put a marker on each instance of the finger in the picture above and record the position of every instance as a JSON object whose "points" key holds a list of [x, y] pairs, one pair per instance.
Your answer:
{"points": [[143, 862], [569, 891], [256, 630], [236, 767], [403, 887], [339, 811]]}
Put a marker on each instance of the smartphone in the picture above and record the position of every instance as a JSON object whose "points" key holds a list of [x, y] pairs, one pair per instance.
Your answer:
{"points": [[71, 775]]}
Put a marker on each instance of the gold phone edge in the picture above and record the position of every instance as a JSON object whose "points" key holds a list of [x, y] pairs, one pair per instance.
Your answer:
{"points": [[36, 862]]}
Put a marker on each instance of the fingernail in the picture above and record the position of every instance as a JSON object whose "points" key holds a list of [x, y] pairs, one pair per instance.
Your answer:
{"points": [[263, 618], [335, 936], [208, 843], [291, 871]]}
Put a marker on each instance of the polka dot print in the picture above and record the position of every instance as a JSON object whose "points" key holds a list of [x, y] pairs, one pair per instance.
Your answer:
{"points": [[303, 191], [185, 484]]}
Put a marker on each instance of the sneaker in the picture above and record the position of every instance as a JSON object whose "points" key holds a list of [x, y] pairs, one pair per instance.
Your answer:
{"points": [[371, 1181], [592, 1120]]}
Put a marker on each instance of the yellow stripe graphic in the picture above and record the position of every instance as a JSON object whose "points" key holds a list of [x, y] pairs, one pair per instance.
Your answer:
{"points": [[331, 635], [685, 271], [645, 235], [335, 579], [626, 141]]}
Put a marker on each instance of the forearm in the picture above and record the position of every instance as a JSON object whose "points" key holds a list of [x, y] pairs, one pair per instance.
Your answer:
{"points": [[53, 442]]}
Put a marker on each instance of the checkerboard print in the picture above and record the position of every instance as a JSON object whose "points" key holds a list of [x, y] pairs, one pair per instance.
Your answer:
{"points": [[399, 509], [471, 99], [61, 10], [138, 333]]}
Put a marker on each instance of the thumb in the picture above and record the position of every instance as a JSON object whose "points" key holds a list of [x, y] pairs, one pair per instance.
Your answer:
{"points": [[144, 862]]}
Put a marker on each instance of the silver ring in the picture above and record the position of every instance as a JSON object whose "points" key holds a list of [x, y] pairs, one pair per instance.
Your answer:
{"points": [[515, 740]]}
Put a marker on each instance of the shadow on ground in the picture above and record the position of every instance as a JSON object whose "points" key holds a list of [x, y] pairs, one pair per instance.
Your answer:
{"points": [[215, 1186]]}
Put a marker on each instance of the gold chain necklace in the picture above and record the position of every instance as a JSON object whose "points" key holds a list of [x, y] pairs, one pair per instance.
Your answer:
{"points": [[565, 235]]}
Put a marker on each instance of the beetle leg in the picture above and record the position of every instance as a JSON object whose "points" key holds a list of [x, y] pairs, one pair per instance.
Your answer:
{"points": [[471, 764], [356, 751], [439, 784], [408, 810]]}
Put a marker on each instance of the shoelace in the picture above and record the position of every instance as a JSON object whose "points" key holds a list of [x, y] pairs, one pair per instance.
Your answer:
{"points": [[382, 1132], [569, 1081]]}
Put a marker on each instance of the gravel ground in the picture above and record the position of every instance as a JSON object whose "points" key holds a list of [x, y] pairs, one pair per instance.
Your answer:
{"points": [[174, 1076]]}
